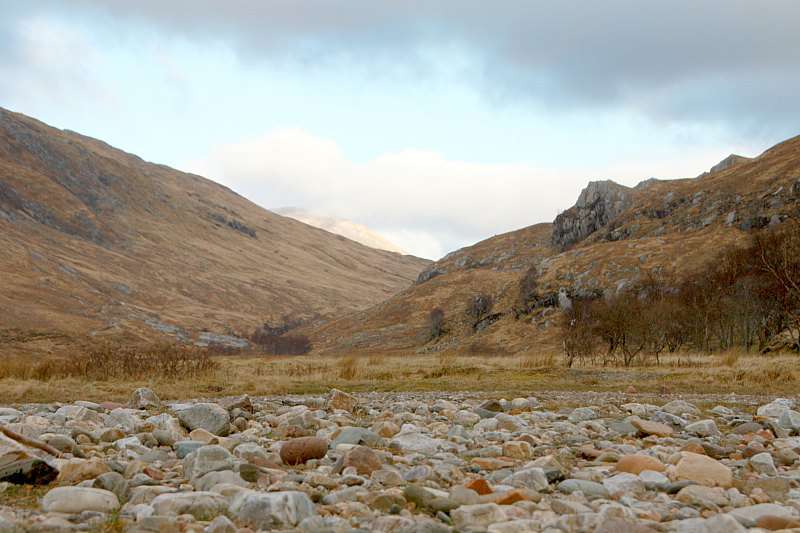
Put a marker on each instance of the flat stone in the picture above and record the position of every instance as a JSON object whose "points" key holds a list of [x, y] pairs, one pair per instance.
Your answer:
{"points": [[748, 516], [74, 500], [703, 470], [637, 463], [303, 449], [648, 427], [341, 400], [480, 515], [590, 489], [208, 416]]}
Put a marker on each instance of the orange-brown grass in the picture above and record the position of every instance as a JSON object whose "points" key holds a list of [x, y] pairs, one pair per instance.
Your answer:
{"points": [[506, 375]]}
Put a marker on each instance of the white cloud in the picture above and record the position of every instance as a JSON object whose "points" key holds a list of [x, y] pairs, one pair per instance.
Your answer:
{"points": [[424, 202]]}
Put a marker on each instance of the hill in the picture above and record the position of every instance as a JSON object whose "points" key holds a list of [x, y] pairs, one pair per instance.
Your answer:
{"points": [[96, 241], [611, 238]]}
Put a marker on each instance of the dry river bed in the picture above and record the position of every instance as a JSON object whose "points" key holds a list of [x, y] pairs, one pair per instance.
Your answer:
{"points": [[403, 462]]}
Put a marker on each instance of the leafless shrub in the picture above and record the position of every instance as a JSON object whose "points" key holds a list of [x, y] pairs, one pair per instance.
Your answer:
{"points": [[436, 323]]}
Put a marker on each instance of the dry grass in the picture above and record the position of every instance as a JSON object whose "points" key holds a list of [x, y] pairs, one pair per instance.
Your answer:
{"points": [[520, 374]]}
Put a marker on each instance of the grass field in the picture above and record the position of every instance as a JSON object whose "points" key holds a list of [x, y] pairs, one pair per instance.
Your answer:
{"points": [[235, 375]]}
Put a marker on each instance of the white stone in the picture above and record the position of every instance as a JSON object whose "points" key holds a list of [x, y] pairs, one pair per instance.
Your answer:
{"points": [[74, 500]]}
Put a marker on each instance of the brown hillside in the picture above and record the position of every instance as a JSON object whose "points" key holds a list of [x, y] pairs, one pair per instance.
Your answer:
{"points": [[611, 238], [96, 241]]}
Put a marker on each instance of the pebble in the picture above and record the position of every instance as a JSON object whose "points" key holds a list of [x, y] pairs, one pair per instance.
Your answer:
{"points": [[428, 462]]}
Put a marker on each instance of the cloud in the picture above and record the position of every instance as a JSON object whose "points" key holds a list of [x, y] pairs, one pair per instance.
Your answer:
{"points": [[719, 60], [424, 202]]}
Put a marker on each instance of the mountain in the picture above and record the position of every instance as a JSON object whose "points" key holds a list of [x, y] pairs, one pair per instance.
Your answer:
{"points": [[611, 238], [345, 228], [97, 241]]}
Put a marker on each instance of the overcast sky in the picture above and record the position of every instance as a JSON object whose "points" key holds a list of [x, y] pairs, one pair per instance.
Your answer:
{"points": [[436, 123]]}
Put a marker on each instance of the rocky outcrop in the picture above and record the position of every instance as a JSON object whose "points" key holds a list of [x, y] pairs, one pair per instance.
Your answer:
{"points": [[730, 161], [598, 204]]}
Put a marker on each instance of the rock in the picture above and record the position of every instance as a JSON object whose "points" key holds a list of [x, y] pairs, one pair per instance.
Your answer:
{"points": [[777, 523], [185, 447], [680, 408], [790, 420], [272, 510], [648, 427], [76, 470], [703, 497], [477, 516], [582, 414], [748, 516], [776, 408], [412, 441], [207, 459], [590, 489], [529, 478], [74, 500], [517, 449], [341, 400], [201, 505], [624, 484], [113, 482], [703, 428], [221, 524], [208, 416], [144, 398], [635, 464], [363, 459], [22, 465], [303, 449], [763, 464], [703, 470], [597, 205]]}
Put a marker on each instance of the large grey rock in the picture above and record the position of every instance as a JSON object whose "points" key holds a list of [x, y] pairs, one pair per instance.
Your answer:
{"points": [[207, 459], [790, 419], [529, 478], [480, 515], [748, 516], [272, 510], [775, 408], [208, 416], [703, 428], [201, 505], [74, 500], [597, 205]]}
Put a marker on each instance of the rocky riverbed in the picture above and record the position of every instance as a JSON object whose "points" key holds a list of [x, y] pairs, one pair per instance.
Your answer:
{"points": [[413, 462]]}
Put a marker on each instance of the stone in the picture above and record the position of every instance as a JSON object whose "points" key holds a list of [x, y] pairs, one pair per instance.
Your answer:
{"points": [[703, 428], [479, 485], [113, 482], [703, 497], [703, 470], [363, 459], [426, 498], [413, 441], [201, 505], [637, 463], [590, 489], [208, 416], [302, 449], [477, 516], [648, 427], [144, 398], [624, 484], [777, 523], [748, 516], [76, 470], [517, 449], [530, 478], [341, 400], [763, 464], [776, 408], [790, 420], [185, 447], [74, 500], [207, 459], [680, 408], [582, 414], [221, 524], [272, 510]]}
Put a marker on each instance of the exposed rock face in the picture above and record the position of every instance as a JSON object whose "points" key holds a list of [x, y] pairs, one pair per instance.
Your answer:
{"points": [[597, 205], [728, 162]]}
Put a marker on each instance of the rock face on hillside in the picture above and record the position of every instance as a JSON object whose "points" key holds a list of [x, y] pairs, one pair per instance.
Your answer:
{"points": [[730, 161], [597, 205]]}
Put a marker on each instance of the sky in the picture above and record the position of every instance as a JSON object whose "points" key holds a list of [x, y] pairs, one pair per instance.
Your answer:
{"points": [[436, 123]]}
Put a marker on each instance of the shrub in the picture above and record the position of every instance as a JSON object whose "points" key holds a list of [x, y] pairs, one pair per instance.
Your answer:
{"points": [[436, 323]]}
